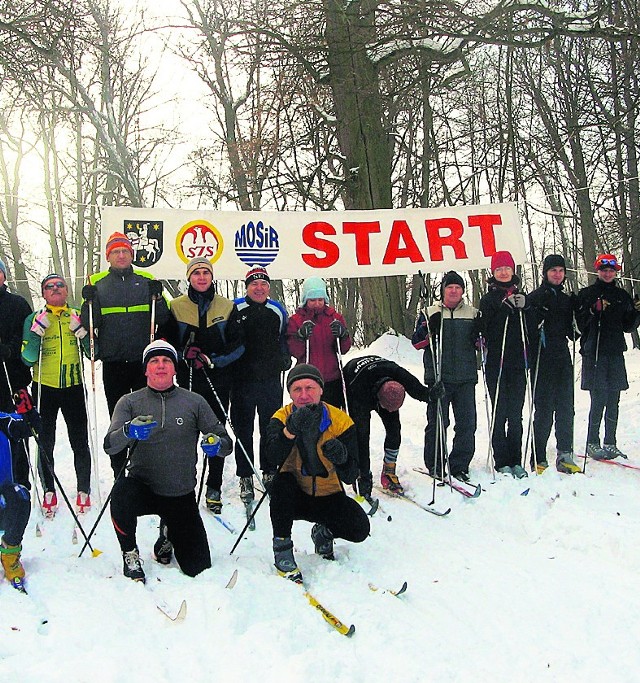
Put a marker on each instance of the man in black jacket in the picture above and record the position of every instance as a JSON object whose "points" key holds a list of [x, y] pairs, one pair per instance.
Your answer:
{"points": [[605, 312], [13, 311], [257, 379], [552, 368], [374, 383]]}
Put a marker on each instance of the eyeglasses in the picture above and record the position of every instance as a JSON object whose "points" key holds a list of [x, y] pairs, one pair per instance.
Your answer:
{"points": [[55, 285]]}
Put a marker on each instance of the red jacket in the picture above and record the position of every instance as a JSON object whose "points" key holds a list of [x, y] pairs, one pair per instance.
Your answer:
{"points": [[322, 343]]}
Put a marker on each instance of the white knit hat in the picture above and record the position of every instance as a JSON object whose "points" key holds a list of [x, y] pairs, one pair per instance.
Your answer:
{"points": [[159, 347]]}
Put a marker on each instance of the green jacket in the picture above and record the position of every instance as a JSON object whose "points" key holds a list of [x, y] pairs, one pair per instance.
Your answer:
{"points": [[58, 365]]}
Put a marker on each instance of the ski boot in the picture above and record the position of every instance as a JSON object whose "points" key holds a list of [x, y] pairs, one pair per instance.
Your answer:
{"points": [[13, 569], [613, 451], [132, 565], [565, 464], [323, 541], [163, 548], [284, 560], [365, 486], [213, 500], [83, 502], [246, 490], [594, 451], [519, 472], [541, 466], [389, 480], [50, 504]]}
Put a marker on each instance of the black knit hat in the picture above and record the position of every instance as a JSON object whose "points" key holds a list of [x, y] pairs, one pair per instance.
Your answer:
{"points": [[451, 278], [552, 261], [304, 371]]}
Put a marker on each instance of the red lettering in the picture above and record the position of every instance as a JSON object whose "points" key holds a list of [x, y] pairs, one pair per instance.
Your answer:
{"points": [[311, 239], [486, 223], [362, 232], [401, 230], [438, 241]]}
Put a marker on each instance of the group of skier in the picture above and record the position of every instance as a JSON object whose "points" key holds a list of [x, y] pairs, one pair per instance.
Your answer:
{"points": [[181, 372]]}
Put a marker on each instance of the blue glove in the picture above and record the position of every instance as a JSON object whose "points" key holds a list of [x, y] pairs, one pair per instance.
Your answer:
{"points": [[210, 445], [140, 427]]}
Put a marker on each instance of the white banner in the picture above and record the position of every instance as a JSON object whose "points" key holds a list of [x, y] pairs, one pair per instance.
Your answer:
{"points": [[330, 244]]}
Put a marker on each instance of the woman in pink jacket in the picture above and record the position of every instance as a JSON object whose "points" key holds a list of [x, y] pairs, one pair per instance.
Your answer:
{"points": [[313, 334]]}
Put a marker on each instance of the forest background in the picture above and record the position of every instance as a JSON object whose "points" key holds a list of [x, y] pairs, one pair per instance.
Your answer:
{"points": [[319, 105]]}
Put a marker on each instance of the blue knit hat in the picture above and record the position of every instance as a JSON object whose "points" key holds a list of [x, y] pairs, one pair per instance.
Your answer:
{"points": [[314, 288]]}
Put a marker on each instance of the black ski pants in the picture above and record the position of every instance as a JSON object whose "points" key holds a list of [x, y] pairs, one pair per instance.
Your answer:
{"points": [[14, 514], [604, 380], [342, 515], [507, 414], [70, 402], [461, 398], [120, 378], [263, 396], [553, 399], [132, 498], [392, 428]]}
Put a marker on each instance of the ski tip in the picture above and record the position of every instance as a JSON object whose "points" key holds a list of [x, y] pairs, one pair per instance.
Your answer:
{"points": [[232, 581], [38, 531], [350, 631], [95, 552], [402, 590]]}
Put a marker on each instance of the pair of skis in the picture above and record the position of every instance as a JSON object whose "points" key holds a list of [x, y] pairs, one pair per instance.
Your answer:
{"points": [[466, 489]]}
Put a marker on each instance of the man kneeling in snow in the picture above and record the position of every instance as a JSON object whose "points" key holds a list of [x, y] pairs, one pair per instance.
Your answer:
{"points": [[313, 446], [160, 424]]}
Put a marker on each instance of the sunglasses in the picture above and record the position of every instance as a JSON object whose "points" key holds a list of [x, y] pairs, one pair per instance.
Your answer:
{"points": [[55, 285]]}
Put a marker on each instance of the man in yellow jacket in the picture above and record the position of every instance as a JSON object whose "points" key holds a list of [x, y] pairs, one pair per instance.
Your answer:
{"points": [[51, 342], [313, 446]]}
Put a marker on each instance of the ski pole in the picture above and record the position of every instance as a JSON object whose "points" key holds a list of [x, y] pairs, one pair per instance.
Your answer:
{"points": [[47, 460], [152, 331], [490, 458], [94, 409], [106, 502], [527, 379], [344, 386], [92, 445]]}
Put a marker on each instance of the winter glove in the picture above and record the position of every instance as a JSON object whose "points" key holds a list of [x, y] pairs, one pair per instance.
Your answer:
{"points": [[210, 445], [480, 343], [40, 323], [600, 305], [196, 357], [286, 362], [636, 302], [89, 292], [75, 325], [516, 301], [155, 289], [305, 330], [335, 451], [436, 392], [338, 329], [24, 407], [17, 429], [140, 427], [435, 321], [5, 352], [305, 421]]}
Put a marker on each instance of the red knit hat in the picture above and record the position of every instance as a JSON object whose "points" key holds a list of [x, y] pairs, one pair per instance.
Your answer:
{"points": [[118, 241], [606, 261], [501, 259], [391, 395]]}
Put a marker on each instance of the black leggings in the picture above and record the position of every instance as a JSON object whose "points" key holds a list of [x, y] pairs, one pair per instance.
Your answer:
{"points": [[132, 498]]}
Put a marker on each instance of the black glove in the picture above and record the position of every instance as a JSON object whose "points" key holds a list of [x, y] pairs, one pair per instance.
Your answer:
{"points": [[434, 323], [286, 362], [155, 288], [305, 420], [89, 292], [18, 429], [335, 451], [305, 330], [338, 329], [5, 352], [436, 392]]}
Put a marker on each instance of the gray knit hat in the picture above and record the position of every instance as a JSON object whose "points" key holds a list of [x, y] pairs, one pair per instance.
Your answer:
{"points": [[198, 262], [304, 371]]}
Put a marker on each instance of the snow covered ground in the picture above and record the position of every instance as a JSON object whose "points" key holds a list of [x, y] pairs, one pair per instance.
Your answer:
{"points": [[507, 587]]}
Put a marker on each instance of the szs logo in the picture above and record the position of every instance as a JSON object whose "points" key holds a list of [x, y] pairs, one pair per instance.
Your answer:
{"points": [[199, 238], [257, 244], [146, 240]]}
